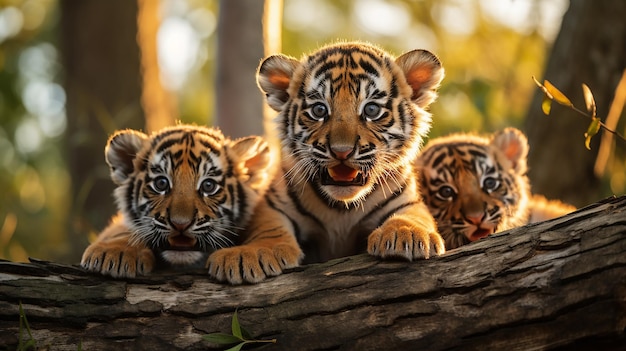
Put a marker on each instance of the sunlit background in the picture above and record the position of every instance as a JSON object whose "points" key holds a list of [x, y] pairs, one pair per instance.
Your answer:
{"points": [[490, 49]]}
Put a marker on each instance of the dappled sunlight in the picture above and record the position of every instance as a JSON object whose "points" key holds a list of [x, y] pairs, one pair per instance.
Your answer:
{"points": [[318, 18], [526, 16], [382, 17], [11, 22], [455, 17], [178, 47]]}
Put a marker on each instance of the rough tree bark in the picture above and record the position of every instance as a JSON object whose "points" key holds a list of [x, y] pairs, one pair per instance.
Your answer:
{"points": [[559, 284]]}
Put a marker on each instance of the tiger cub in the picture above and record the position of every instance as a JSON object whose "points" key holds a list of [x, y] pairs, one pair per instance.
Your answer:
{"points": [[181, 193], [351, 119], [475, 186]]}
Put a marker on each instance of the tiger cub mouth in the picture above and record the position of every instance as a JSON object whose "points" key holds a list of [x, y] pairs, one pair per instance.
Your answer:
{"points": [[480, 233], [343, 175], [181, 243]]}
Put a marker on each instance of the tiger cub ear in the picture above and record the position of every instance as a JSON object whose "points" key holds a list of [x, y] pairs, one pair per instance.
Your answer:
{"points": [[273, 77], [423, 71], [513, 144], [252, 158], [120, 152]]}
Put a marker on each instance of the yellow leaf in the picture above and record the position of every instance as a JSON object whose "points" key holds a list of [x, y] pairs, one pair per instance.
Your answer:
{"points": [[589, 100], [546, 105], [557, 94], [545, 91], [593, 129]]}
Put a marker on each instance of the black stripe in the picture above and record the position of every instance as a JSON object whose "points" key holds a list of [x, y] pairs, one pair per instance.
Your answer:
{"points": [[300, 208], [394, 210], [369, 68], [241, 196], [272, 205], [382, 205]]}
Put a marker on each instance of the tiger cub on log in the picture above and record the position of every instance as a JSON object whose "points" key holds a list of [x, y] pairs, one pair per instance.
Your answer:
{"points": [[475, 186], [182, 192], [351, 119]]}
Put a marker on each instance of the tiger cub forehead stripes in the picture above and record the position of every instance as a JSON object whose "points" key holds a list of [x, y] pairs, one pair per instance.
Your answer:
{"points": [[181, 192]]}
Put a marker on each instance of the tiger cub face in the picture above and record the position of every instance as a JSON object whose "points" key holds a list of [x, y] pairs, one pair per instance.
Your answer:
{"points": [[475, 186], [186, 190], [350, 117]]}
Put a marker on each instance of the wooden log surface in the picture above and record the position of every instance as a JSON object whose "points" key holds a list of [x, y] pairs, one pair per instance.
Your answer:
{"points": [[559, 284]]}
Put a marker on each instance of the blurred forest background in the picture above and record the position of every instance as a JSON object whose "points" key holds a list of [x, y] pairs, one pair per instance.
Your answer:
{"points": [[73, 71]]}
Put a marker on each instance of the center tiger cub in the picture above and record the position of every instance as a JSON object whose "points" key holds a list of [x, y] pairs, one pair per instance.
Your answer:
{"points": [[350, 120]]}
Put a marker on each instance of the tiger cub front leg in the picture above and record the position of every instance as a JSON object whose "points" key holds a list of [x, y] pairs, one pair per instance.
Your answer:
{"points": [[267, 251], [116, 255], [410, 234]]}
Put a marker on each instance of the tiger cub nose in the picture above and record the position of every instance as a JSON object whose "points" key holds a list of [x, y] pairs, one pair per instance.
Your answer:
{"points": [[475, 218], [342, 152], [180, 224]]}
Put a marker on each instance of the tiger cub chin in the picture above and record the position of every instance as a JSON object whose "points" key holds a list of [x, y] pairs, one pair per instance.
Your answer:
{"points": [[475, 186], [181, 193], [350, 120]]}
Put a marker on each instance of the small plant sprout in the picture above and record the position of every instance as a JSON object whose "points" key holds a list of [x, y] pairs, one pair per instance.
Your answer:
{"points": [[551, 93], [238, 338], [29, 343]]}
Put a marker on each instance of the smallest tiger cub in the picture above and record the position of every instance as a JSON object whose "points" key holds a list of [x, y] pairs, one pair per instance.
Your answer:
{"points": [[475, 186], [181, 193]]}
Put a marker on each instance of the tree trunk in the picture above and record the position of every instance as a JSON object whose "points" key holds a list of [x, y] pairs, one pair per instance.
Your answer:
{"points": [[590, 49], [158, 104], [102, 82], [240, 50], [555, 284]]}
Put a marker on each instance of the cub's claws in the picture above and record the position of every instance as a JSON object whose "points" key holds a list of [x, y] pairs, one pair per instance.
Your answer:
{"points": [[399, 238], [250, 264], [126, 262]]}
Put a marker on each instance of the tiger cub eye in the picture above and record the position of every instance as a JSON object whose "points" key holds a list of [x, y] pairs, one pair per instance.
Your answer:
{"points": [[371, 111], [319, 111], [161, 184], [446, 192], [209, 187]]}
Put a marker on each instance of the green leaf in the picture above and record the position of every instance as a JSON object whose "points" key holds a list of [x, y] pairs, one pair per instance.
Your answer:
{"points": [[237, 347], [592, 130], [546, 105], [235, 327], [589, 100], [221, 338], [557, 94], [245, 334]]}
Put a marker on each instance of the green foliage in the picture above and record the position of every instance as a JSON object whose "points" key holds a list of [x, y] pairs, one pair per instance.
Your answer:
{"points": [[551, 93], [29, 343], [238, 336]]}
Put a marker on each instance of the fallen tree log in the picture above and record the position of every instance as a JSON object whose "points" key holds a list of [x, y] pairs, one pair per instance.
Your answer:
{"points": [[559, 284]]}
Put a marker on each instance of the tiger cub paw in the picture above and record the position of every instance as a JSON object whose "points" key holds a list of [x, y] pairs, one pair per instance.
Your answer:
{"points": [[400, 237], [118, 261], [252, 264]]}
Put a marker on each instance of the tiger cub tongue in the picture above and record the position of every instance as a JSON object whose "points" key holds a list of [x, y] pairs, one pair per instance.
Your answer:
{"points": [[342, 173]]}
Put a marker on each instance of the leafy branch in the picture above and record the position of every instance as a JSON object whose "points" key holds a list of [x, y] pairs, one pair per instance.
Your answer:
{"points": [[552, 93], [239, 336]]}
